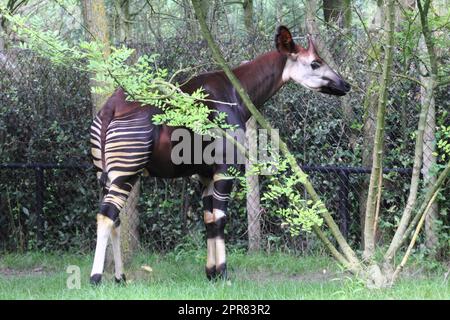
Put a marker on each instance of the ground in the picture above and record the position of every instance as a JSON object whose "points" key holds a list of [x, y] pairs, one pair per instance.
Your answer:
{"points": [[180, 275]]}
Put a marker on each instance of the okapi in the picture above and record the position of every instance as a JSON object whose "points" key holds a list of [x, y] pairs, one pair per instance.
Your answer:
{"points": [[125, 142]]}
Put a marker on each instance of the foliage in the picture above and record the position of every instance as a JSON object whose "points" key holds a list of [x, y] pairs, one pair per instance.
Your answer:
{"points": [[143, 81], [146, 83], [45, 116], [299, 214], [443, 142]]}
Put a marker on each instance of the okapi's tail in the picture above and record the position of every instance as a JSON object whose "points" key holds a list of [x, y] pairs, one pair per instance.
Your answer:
{"points": [[103, 179], [98, 139]]}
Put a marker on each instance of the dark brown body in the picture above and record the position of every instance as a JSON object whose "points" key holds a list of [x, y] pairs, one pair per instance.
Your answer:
{"points": [[261, 78]]}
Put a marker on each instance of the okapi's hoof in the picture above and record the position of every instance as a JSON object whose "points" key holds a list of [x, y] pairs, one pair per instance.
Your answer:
{"points": [[215, 273], [221, 272], [211, 273], [122, 280], [96, 279]]}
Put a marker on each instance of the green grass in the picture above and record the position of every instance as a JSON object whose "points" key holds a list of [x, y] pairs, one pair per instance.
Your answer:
{"points": [[180, 276]]}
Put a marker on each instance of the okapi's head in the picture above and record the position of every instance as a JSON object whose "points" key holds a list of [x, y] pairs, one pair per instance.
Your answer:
{"points": [[306, 67]]}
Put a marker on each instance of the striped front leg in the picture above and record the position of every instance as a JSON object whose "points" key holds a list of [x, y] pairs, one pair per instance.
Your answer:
{"points": [[215, 202]]}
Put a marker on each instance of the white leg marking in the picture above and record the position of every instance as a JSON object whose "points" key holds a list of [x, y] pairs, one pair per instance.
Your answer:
{"points": [[211, 243], [104, 226], [218, 214], [220, 251], [220, 243], [211, 251], [215, 246], [115, 241]]}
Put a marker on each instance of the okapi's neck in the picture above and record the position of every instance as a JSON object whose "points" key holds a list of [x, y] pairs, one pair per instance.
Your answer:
{"points": [[262, 77]]}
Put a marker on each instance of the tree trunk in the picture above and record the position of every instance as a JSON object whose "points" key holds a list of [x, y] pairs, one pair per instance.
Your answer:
{"points": [[124, 25], [248, 15], [337, 12], [429, 159], [332, 11], [279, 12], [347, 8], [376, 177], [191, 24], [378, 18], [404, 224], [313, 28], [403, 6], [429, 147], [96, 22], [253, 197], [3, 35], [129, 216], [129, 225], [429, 162], [370, 108]]}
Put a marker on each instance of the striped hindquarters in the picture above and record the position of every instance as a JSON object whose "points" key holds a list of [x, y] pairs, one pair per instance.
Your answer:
{"points": [[126, 149]]}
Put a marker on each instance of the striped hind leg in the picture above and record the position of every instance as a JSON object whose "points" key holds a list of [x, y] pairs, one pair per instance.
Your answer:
{"points": [[121, 158], [104, 227], [215, 201], [108, 225]]}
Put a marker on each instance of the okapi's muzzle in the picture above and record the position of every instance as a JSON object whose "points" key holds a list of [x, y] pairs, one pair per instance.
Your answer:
{"points": [[337, 88]]}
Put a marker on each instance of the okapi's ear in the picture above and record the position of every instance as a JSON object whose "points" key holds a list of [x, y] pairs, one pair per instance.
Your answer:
{"points": [[283, 41]]}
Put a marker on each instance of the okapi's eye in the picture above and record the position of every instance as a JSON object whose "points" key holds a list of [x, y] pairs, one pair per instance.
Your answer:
{"points": [[315, 65]]}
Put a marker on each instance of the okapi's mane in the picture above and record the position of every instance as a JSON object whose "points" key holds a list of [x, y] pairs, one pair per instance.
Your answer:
{"points": [[262, 77]]}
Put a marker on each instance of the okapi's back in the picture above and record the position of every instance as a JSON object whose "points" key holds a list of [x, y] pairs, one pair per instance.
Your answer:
{"points": [[215, 84]]}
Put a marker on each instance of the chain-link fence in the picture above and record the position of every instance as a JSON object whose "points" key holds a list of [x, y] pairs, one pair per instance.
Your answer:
{"points": [[45, 113], [44, 117]]}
